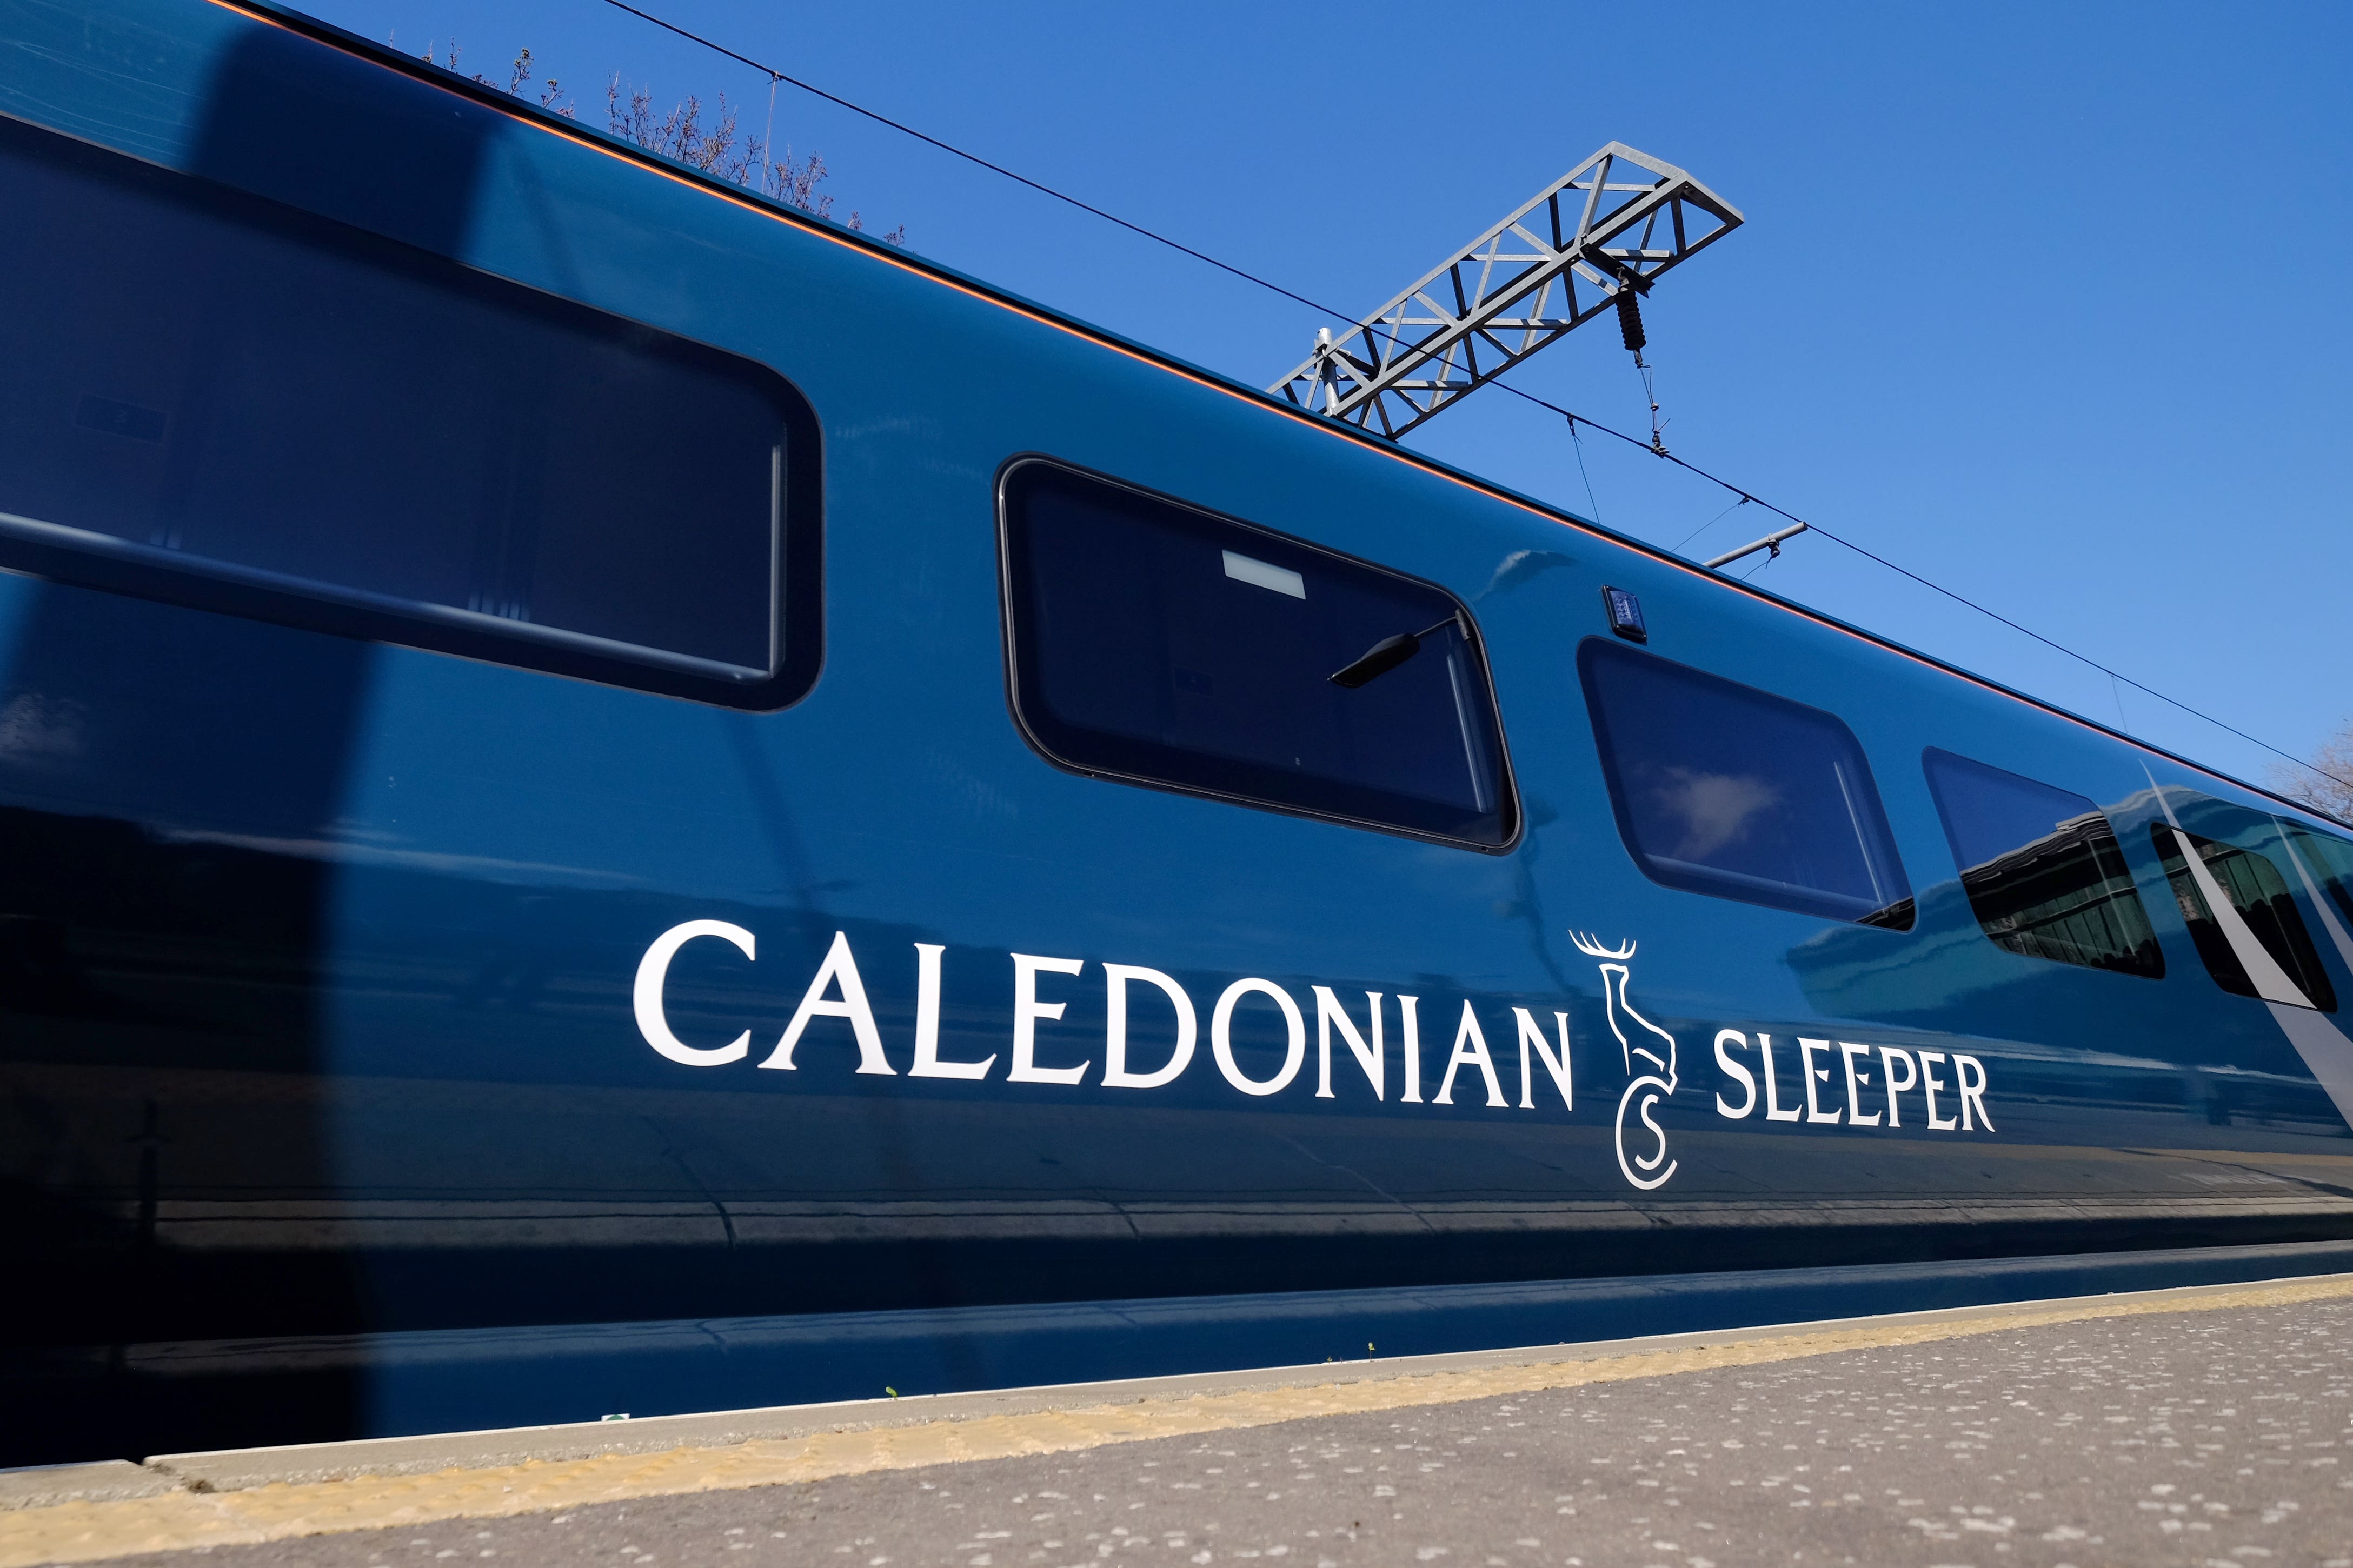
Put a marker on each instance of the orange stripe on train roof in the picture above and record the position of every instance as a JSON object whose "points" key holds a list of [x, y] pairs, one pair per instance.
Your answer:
{"points": [[1256, 399]]}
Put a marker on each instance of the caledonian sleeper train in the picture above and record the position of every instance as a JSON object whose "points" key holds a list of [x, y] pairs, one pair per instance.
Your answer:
{"points": [[617, 799]]}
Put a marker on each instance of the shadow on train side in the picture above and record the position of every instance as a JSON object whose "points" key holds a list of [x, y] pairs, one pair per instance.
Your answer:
{"points": [[147, 754]]}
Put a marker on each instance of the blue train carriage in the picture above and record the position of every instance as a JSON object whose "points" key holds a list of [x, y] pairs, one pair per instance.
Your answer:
{"points": [[589, 767]]}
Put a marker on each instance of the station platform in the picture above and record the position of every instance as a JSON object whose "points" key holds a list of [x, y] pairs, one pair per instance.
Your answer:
{"points": [[2209, 1424]]}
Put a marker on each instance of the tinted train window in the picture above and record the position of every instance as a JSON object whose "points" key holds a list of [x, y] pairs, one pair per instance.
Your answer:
{"points": [[2260, 894], [2042, 868], [211, 397], [1158, 644], [2329, 862], [1724, 789]]}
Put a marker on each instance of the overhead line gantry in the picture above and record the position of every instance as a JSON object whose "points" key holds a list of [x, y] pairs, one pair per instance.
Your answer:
{"points": [[1595, 240]]}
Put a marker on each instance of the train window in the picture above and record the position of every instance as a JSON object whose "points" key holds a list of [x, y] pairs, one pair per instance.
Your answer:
{"points": [[2260, 895], [2328, 859], [220, 400], [2041, 867], [1724, 789], [1154, 642]]}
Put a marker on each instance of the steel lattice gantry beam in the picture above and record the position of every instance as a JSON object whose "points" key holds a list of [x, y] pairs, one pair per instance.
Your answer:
{"points": [[1616, 221]]}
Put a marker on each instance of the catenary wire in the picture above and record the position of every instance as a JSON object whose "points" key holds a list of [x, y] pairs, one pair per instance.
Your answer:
{"points": [[1590, 500], [1703, 527], [775, 75], [1574, 418]]}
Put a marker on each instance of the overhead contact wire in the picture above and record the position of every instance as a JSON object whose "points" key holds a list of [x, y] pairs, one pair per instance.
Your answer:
{"points": [[1574, 418], [953, 150]]}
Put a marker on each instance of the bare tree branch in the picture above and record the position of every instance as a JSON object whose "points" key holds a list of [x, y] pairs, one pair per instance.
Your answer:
{"points": [[2328, 784], [715, 148], [681, 134]]}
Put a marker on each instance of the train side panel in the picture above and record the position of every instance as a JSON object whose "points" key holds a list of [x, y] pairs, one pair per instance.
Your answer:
{"points": [[327, 959]]}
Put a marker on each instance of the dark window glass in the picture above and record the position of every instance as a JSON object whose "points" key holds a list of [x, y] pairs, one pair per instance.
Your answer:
{"points": [[2257, 890], [1159, 644], [205, 393], [2042, 868], [1727, 790], [2329, 859]]}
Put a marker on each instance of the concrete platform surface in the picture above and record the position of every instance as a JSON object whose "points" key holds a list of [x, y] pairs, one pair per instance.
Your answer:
{"points": [[2197, 1427]]}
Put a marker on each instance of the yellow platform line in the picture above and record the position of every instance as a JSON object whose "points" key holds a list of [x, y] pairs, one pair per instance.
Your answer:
{"points": [[87, 1531]]}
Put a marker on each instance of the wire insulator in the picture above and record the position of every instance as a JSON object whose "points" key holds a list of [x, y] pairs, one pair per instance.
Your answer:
{"points": [[1629, 321]]}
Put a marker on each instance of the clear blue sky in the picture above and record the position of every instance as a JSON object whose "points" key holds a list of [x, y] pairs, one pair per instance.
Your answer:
{"points": [[2047, 302]]}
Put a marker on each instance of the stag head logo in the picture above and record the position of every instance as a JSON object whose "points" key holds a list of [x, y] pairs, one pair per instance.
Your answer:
{"points": [[1653, 1081]]}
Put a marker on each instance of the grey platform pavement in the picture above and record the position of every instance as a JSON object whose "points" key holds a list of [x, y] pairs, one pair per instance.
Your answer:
{"points": [[465, 1380], [2194, 1440], [2206, 1425]]}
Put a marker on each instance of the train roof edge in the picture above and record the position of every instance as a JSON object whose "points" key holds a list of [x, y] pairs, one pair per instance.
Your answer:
{"points": [[273, 11]]}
